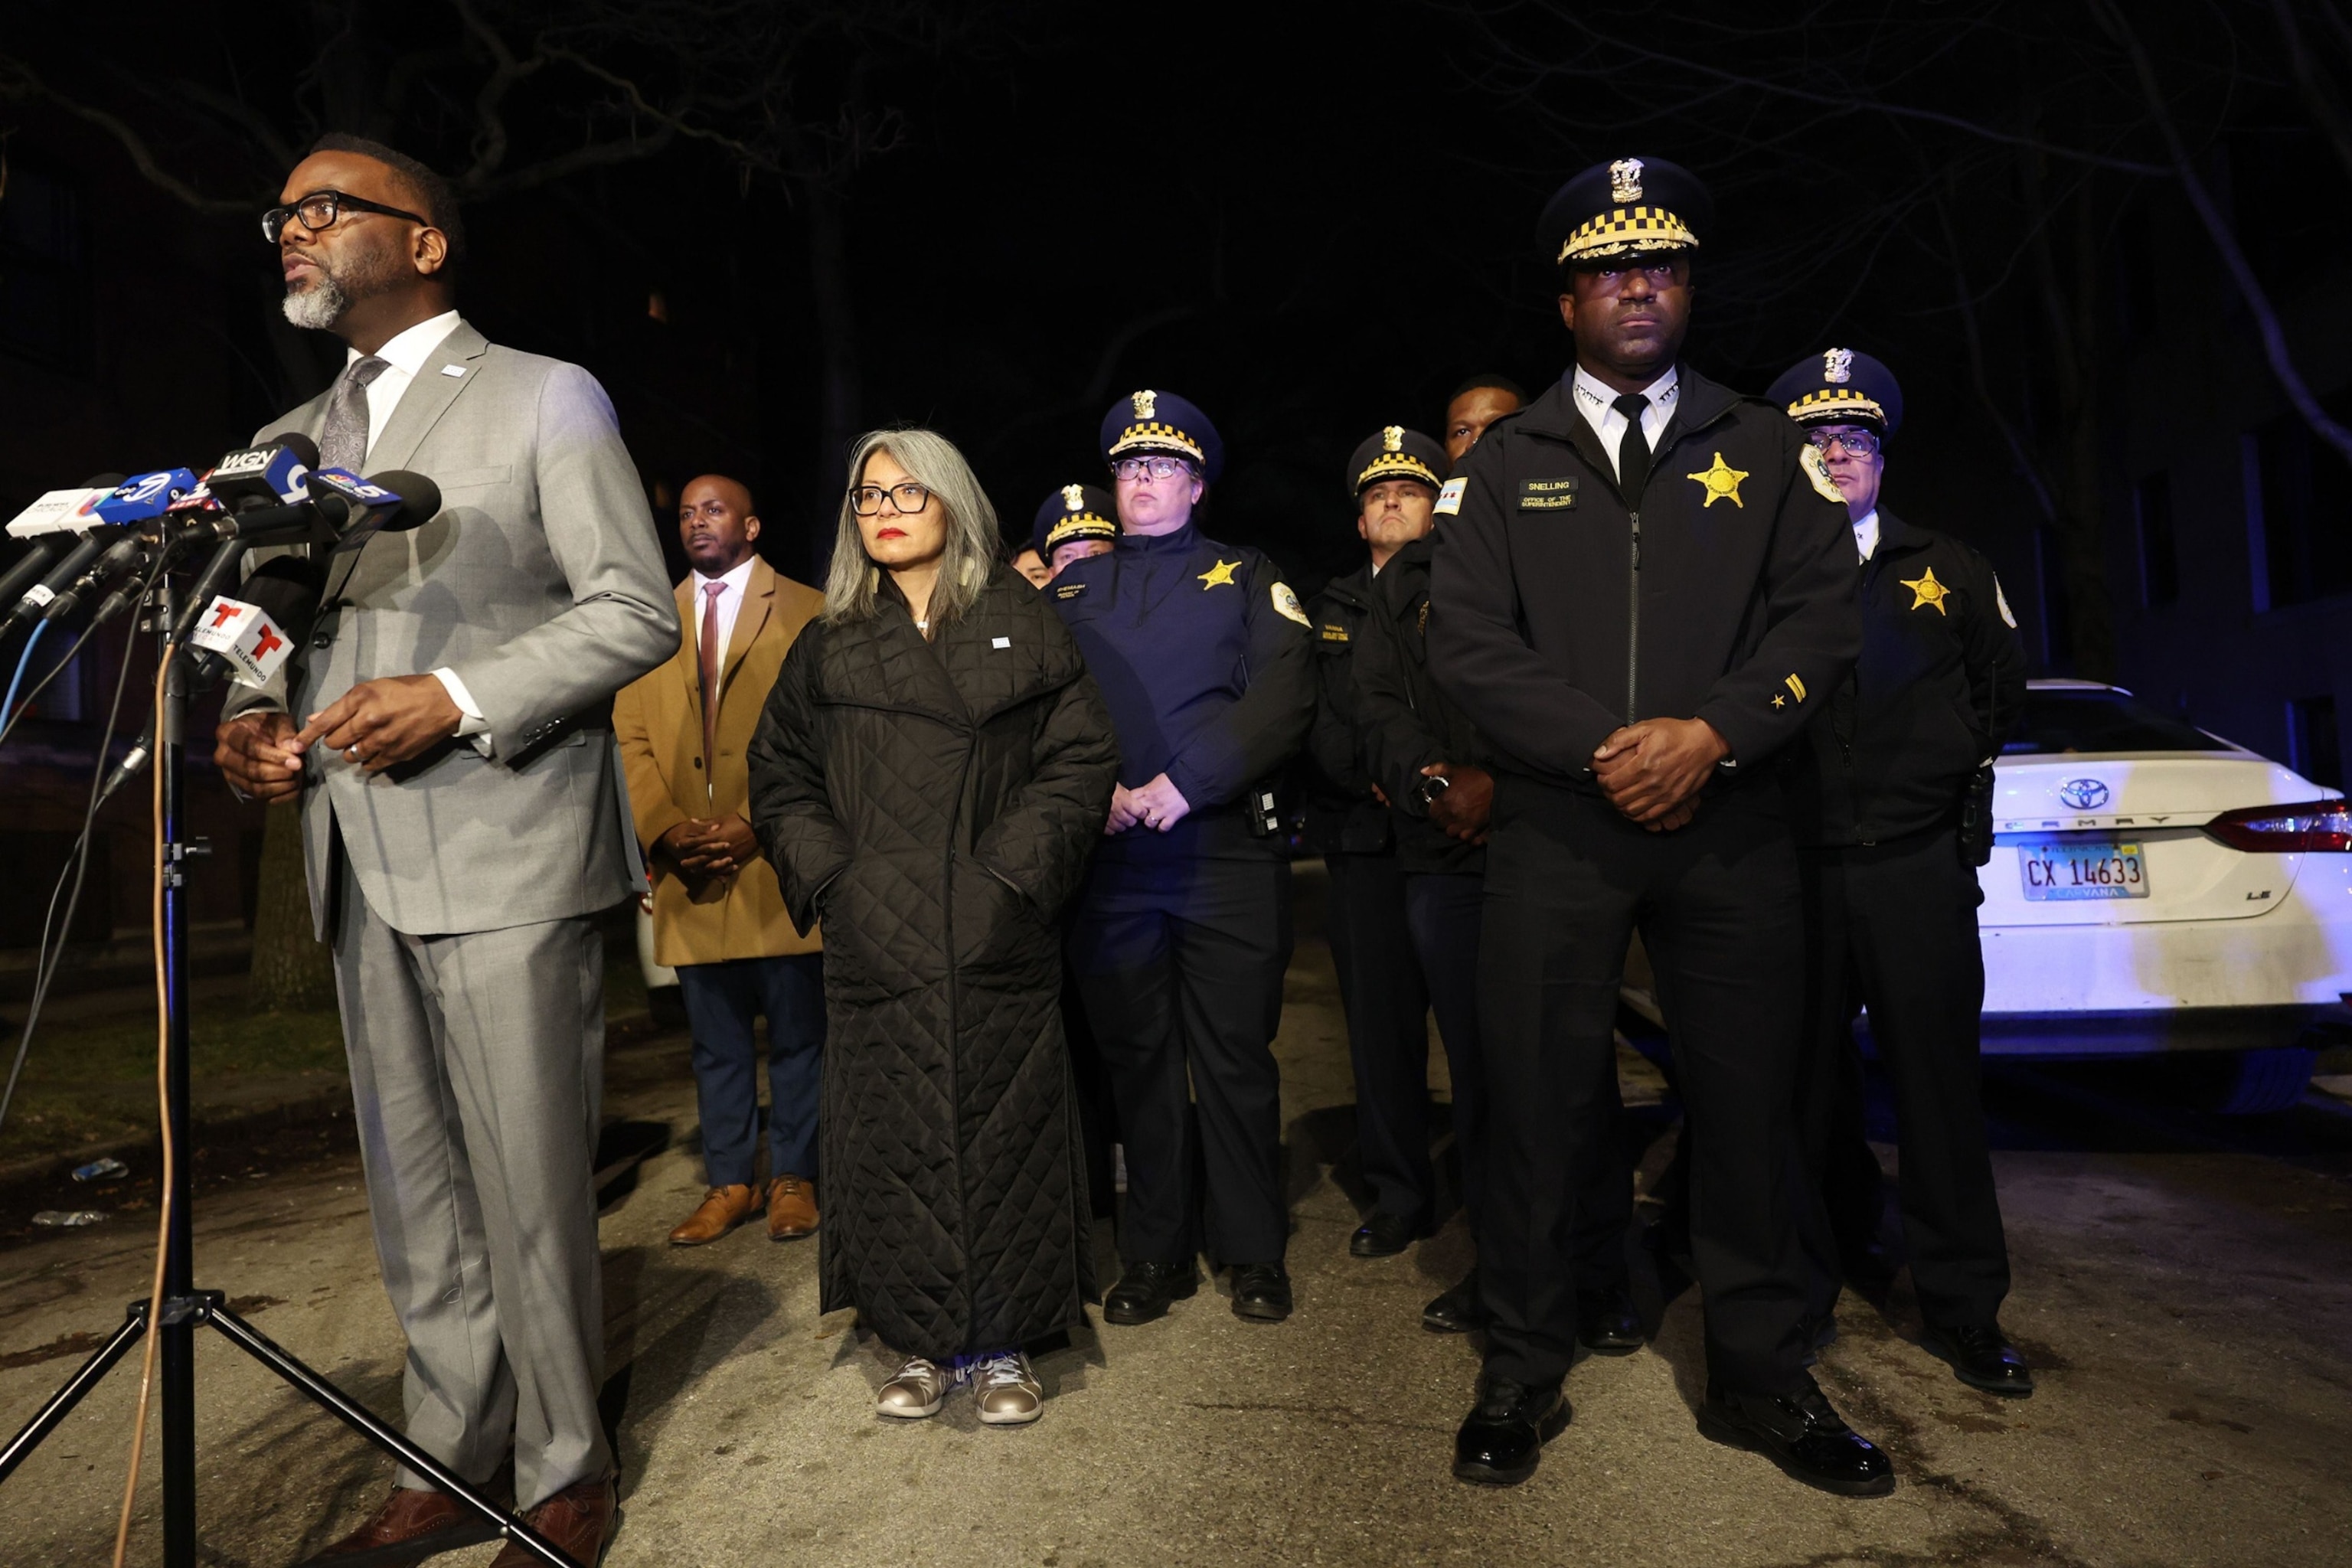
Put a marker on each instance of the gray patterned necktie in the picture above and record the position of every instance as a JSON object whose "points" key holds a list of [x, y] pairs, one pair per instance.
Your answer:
{"points": [[344, 441]]}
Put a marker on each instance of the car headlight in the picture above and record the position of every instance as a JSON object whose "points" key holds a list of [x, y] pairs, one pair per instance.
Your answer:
{"points": [[2324, 826]]}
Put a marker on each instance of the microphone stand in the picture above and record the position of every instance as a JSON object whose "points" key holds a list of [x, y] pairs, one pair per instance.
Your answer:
{"points": [[185, 1307]]}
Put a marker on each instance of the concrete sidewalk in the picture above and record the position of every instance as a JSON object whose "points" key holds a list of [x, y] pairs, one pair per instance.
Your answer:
{"points": [[2189, 1314]]}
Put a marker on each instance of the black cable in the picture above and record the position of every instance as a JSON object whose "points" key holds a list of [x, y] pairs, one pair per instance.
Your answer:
{"points": [[45, 962], [55, 671]]}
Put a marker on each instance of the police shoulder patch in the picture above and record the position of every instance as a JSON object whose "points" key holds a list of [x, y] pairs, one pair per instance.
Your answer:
{"points": [[1286, 603], [1449, 497], [1817, 468], [2001, 600]]}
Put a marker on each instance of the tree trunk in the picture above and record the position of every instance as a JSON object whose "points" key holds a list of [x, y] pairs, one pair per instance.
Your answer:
{"points": [[292, 970]]}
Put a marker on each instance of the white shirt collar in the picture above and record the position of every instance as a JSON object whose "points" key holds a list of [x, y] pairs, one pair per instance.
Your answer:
{"points": [[738, 579], [1865, 533], [1601, 396], [408, 349]]}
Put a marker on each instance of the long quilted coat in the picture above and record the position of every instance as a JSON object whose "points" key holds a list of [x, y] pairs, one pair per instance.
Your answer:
{"points": [[935, 802]]}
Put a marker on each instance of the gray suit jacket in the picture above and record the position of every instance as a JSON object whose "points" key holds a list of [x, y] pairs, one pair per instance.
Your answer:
{"points": [[541, 584]]}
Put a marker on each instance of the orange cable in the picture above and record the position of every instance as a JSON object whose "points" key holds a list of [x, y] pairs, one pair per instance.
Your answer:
{"points": [[164, 1108]]}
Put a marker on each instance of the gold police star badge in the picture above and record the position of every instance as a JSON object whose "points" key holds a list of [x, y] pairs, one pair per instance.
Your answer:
{"points": [[1927, 591], [1223, 571], [1721, 482]]}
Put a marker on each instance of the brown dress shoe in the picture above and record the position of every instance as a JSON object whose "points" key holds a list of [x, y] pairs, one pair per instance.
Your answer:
{"points": [[578, 1521], [723, 1209], [791, 1208], [411, 1525]]}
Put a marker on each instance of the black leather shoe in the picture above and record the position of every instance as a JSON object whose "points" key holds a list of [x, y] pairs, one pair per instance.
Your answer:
{"points": [[1799, 1433], [1501, 1440], [1382, 1236], [1606, 1323], [1457, 1311], [1261, 1291], [1145, 1290], [1981, 1358]]}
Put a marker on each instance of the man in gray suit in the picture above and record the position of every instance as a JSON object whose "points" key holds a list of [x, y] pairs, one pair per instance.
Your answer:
{"points": [[450, 739]]}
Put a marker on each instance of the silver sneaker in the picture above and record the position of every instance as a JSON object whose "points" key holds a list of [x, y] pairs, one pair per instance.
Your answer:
{"points": [[918, 1390], [1007, 1390]]}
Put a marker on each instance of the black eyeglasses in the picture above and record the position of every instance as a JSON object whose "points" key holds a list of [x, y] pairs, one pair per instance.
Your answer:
{"points": [[1857, 443], [1134, 468], [320, 209], [905, 499]]}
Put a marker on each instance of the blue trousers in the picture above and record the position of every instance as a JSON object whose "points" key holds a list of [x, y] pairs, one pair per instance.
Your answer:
{"points": [[721, 1001]]}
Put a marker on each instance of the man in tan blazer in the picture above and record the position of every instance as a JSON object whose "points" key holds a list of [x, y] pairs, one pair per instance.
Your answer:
{"points": [[719, 917]]}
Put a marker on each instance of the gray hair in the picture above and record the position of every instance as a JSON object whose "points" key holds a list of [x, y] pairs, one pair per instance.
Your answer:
{"points": [[852, 589]]}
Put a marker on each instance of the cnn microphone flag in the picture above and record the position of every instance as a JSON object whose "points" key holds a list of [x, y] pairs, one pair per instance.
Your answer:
{"points": [[243, 634]]}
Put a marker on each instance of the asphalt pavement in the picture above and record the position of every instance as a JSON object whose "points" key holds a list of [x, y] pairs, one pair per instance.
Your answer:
{"points": [[2184, 1287]]}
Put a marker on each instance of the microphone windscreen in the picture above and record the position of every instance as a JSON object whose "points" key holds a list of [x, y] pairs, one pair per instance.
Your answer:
{"points": [[287, 588], [420, 499], [301, 446]]}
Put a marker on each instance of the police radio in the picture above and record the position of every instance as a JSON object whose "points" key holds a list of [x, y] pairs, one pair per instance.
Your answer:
{"points": [[1258, 811]]}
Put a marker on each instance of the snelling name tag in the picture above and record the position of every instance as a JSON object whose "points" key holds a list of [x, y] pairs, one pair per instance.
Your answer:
{"points": [[1547, 495]]}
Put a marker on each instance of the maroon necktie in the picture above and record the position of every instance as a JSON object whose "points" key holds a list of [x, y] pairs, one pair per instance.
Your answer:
{"points": [[712, 655]]}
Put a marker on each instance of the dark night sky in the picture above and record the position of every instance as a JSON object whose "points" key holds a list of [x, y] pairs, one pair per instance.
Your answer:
{"points": [[1312, 221]]}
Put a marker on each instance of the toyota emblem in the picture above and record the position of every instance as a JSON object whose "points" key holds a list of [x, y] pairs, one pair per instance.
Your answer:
{"points": [[2084, 794]]}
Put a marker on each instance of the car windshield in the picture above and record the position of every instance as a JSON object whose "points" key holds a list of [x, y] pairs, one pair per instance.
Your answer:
{"points": [[2078, 718]]}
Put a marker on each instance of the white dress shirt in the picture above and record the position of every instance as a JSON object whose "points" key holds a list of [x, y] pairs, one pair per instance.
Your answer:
{"points": [[1866, 534], [404, 355], [1596, 400], [734, 585]]}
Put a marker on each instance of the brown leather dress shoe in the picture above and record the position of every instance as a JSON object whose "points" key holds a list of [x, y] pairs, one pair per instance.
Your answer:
{"points": [[791, 1208], [578, 1521], [723, 1209], [411, 1526]]}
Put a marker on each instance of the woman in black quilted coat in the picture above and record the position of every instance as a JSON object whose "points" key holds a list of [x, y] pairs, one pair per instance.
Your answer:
{"points": [[932, 767]]}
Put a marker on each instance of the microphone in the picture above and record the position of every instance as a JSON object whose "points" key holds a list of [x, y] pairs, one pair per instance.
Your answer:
{"points": [[272, 474], [148, 496], [343, 511], [280, 604], [251, 635], [47, 522], [136, 501]]}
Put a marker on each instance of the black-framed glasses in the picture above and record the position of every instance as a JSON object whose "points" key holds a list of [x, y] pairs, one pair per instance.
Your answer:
{"points": [[905, 499], [1133, 469], [320, 209], [1857, 443]]}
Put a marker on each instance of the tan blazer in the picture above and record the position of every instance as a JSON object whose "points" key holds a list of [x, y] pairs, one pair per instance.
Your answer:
{"points": [[657, 721]]}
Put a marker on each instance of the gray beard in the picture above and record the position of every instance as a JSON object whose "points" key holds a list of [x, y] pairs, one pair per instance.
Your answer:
{"points": [[319, 306]]}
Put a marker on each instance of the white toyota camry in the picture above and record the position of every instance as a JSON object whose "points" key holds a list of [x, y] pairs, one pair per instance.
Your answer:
{"points": [[2154, 887]]}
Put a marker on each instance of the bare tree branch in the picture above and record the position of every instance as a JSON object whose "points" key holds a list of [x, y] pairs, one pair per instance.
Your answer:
{"points": [[2267, 324], [2322, 108], [18, 81]]}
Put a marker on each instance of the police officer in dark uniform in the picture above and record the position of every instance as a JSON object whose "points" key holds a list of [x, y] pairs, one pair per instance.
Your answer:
{"points": [[1073, 523], [1434, 769], [1643, 588], [1890, 801], [1183, 926], [1392, 479]]}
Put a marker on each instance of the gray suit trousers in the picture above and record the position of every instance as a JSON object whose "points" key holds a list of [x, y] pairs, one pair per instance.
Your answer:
{"points": [[477, 1065]]}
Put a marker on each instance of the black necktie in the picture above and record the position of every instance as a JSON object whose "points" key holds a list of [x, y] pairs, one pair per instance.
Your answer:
{"points": [[1632, 447]]}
